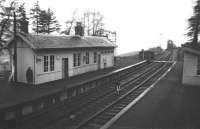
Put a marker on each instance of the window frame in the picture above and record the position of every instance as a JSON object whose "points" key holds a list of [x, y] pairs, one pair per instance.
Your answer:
{"points": [[76, 59], [52, 62], [79, 59], [95, 57], [198, 65], [46, 63], [87, 54]]}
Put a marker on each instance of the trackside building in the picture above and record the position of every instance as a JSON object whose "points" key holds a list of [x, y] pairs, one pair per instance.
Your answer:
{"points": [[191, 64], [48, 58]]}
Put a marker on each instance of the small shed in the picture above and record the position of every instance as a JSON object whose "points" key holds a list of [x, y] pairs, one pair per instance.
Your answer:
{"points": [[191, 64], [146, 55]]}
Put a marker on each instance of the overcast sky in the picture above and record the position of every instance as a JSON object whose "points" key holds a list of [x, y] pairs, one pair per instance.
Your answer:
{"points": [[138, 23]]}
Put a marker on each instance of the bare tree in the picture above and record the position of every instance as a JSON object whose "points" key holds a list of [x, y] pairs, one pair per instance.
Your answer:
{"points": [[70, 23], [93, 22], [5, 20]]}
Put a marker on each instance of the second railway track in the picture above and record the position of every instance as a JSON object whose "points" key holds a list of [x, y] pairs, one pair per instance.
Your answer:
{"points": [[85, 108], [95, 108], [98, 120]]}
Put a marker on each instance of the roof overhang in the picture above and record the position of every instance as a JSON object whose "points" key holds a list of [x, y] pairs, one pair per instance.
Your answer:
{"points": [[24, 39], [190, 50], [35, 48], [72, 49]]}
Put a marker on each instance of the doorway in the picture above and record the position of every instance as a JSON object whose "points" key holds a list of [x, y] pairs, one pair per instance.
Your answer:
{"points": [[65, 67], [99, 61]]}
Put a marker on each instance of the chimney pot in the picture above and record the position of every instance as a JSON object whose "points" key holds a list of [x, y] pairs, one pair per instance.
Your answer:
{"points": [[24, 26], [79, 30]]}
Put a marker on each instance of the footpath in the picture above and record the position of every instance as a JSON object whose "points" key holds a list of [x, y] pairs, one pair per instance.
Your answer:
{"points": [[169, 105]]}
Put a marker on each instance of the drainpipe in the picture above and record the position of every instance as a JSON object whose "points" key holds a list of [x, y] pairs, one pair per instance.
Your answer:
{"points": [[15, 50]]}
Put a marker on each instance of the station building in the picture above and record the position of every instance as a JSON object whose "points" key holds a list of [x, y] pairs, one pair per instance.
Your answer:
{"points": [[47, 58], [191, 64]]}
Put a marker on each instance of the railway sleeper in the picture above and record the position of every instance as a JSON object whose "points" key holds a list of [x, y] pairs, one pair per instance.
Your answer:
{"points": [[110, 113], [101, 121], [122, 105], [104, 117], [92, 126], [118, 107], [114, 110], [124, 102]]}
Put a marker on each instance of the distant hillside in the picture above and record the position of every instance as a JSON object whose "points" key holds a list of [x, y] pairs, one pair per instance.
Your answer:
{"points": [[128, 54]]}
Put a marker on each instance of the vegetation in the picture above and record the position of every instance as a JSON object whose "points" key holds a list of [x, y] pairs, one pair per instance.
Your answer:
{"points": [[34, 13], [194, 24], [92, 22], [43, 21], [48, 22], [5, 21]]}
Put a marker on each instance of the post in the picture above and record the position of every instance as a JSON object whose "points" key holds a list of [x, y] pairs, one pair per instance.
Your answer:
{"points": [[15, 50]]}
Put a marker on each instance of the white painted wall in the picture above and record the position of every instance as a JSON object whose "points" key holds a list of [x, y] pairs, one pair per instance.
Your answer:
{"points": [[190, 70], [107, 58], [25, 59], [42, 77]]}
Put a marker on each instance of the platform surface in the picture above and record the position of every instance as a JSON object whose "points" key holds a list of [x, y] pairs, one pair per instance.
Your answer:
{"points": [[12, 94], [169, 105]]}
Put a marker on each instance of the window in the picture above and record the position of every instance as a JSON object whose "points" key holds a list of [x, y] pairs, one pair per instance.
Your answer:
{"points": [[74, 59], [45, 63], [77, 59], [87, 58], [95, 57], [52, 63], [198, 65]]}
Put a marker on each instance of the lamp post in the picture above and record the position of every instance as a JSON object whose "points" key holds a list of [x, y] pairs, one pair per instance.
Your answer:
{"points": [[15, 48]]}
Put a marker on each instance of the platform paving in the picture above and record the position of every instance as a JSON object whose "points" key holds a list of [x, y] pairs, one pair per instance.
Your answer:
{"points": [[12, 94], [169, 105]]}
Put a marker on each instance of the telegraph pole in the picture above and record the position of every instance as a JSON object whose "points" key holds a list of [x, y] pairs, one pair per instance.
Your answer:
{"points": [[15, 49]]}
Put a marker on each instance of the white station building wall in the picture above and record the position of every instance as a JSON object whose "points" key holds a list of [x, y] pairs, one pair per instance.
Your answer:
{"points": [[190, 70], [107, 60]]}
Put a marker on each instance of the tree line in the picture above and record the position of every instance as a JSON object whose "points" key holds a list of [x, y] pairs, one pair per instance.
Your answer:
{"points": [[92, 22], [44, 21], [194, 24]]}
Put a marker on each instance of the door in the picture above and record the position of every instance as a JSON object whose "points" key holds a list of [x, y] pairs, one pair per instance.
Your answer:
{"points": [[65, 67], [99, 61]]}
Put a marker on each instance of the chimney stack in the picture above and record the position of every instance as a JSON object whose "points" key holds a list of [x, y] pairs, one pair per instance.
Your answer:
{"points": [[24, 26], [79, 30]]}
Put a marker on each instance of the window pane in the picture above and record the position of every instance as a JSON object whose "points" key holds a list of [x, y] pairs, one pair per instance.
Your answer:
{"points": [[51, 63], [45, 63], [79, 59], [198, 65], [95, 57], [74, 60], [87, 57]]}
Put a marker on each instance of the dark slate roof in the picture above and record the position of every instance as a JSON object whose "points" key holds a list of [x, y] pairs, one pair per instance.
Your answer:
{"points": [[57, 42], [192, 46]]}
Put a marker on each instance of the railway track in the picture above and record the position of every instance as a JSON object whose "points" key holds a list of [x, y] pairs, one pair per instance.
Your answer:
{"points": [[43, 119], [99, 120], [94, 108], [90, 101]]}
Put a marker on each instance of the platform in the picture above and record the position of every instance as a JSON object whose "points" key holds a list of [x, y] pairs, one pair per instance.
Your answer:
{"points": [[12, 94], [169, 105]]}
